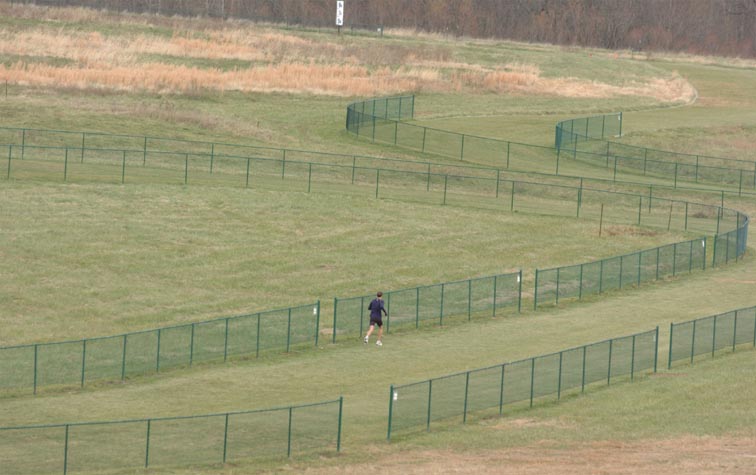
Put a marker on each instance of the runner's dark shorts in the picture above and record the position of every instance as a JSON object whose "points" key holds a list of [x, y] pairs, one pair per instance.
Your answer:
{"points": [[376, 321]]}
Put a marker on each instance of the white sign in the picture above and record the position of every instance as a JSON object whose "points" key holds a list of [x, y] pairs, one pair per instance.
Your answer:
{"points": [[340, 13]]}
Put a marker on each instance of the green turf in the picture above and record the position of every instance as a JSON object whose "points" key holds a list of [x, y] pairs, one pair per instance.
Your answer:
{"points": [[88, 259]]}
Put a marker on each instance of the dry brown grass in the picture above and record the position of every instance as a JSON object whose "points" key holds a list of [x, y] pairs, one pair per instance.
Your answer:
{"points": [[277, 62]]}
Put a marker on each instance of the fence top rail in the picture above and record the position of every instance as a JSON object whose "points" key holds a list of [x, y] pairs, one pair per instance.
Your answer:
{"points": [[151, 330], [172, 418], [523, 360], [508, 274], [674, 244]]}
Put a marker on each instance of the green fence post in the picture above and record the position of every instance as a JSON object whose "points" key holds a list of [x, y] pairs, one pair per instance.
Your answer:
{"points": [[557, 163], [557, 285], [83, 359], [669, 220], [582, 381], [519, 291], [509, 143], [446, 180], [212, 159], [123, 168], [354, 165], [23, 143], [714, 337], [696, 168], [632, 361], [191, 347], [36, 359], [157, 363], [147, 447], [288, 447], [317, 322], [579, 198], [620, 124], [335, 312], [469, 300], [417, 307], [65, 453], [511, 201], [675, 175], [498, 174], [186, 168], [494, 297], [614, 175], [467, 387], [430, 396], [640, 205], [640, 255], [288, 332], [580, 286], [686, 216], [735, 331], [225, 439], [396, 130], [257, 342], [338, 432], [441, 317], [10, 155], [501, 391], [377, 180], [123, 358], [535, 292], [559, 383], [309, 177], [462, 148], [422, 149], [225, 343], [532, 380], [693, 343], [82, 147], [740, 185], [609, 372], [656, 348], [246, 183], [671, 335]]}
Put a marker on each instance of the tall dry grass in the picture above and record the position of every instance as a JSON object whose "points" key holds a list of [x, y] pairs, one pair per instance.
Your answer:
{"points": [[272, 62]]}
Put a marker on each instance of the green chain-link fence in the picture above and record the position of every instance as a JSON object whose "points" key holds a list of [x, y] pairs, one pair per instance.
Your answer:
{"points": [[616, 273], [172, 441], [415, 406], [706, 336], [435, 304], [584, 139], [579, 139], [118, 357]]}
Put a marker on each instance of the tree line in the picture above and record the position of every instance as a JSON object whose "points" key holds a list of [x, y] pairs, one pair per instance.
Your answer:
{"points": [[714, 27]]}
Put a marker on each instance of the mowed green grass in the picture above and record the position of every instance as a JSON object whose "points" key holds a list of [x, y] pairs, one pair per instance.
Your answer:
{"points": [[84, 260]]}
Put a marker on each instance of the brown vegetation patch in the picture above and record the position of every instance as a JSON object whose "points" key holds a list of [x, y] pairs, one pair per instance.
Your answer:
{"points": [[628, 231], [205, 55], [682, 455]]}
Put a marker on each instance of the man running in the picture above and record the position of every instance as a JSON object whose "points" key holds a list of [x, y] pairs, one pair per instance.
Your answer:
{"points": [[376, 307]]}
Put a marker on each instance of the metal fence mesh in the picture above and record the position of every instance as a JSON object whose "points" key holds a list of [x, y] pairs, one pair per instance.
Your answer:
{"points": [[177, 441], [453, 397], [118, 357]]}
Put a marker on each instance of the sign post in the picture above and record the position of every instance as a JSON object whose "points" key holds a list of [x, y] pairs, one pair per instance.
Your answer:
{"points": [[339, 15]]}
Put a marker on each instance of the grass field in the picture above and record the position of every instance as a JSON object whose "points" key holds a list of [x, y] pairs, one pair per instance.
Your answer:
{"points": [[81, 260]]}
